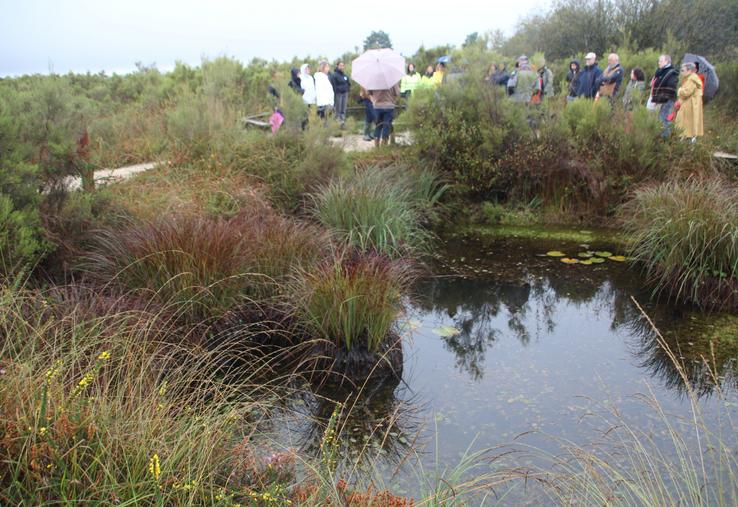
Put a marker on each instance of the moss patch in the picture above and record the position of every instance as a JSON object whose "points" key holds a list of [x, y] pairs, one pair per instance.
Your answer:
{"points": [[582, 236]]}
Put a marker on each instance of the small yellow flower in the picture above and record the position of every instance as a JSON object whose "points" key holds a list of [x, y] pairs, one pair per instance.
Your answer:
{"points": [[104, 356], [163, 389], [42, 431], [155, 467], [53, 371]]}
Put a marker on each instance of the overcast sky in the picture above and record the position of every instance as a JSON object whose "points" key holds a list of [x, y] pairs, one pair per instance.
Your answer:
{"points": [[111, 35]]}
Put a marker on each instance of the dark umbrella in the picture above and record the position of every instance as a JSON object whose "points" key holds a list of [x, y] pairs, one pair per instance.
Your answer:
{"points": [[712, 83]]}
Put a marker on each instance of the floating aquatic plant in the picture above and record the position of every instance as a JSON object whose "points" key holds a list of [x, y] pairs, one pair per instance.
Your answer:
{"points": [[603, 254], [446, 331], [568, 260], [617, 258], [555, 253]]}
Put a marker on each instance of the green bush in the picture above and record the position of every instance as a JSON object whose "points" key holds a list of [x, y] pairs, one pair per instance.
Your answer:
{"points": [[21, 237], [352, 299], [291, 164], [372, 211], [685, 234], [466, 128]]}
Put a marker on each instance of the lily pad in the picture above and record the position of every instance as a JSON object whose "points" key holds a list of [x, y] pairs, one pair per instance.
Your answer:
{"points": [[588, 262], [555, 253], [446, 331], [597, 260], [603, 254], [617, 258], [567, 260], [586, 255]]}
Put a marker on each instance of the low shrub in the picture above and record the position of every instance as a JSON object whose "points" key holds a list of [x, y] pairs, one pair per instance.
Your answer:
{"points": [[21, 238], [685, 234], [351, 298], [376, 210], [466, 128], [291, 165]]}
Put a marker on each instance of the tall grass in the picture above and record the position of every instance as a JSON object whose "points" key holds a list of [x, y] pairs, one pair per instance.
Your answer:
{"points": [[352, 299], [374, 211], [96, 408], [205, 265], [685, 234]]}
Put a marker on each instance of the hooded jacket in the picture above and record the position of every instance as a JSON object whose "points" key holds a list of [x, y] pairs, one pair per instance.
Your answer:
{"points": [[308, 85], [587, 86], [295, 81], [340, 82], [324, 95], [572, 77]]}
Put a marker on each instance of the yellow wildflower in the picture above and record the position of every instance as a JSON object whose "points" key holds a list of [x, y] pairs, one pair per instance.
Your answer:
{"points": [[53, 371], [155, 467], [42, 431], [104, 356]]}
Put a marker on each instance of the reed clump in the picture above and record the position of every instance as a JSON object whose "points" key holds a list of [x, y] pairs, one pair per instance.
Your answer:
{"points": [[685, 235]]}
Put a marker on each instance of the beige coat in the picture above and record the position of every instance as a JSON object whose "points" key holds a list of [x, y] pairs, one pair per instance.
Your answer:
{"points": [[689, 116]]}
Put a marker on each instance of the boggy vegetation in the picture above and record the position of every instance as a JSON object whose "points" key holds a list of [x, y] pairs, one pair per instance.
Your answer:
{"points": [[121, 306]]}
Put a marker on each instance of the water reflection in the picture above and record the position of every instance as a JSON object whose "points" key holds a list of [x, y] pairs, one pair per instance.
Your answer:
{"points": [[511, 291]]}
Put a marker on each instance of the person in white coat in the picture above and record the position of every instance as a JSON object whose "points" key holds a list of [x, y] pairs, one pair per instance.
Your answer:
{"points": [[307, 83], [323, 89]]}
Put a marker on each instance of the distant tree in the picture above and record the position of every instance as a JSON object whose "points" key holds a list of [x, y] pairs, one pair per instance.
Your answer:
{"points": [[471, 39], [377, 40]]}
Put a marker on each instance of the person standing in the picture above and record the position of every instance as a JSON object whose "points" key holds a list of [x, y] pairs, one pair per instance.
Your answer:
{"points": [[439, 76], [384, 110], [324, 97], [608, 84], [546, 80], [426, 80], [307, 83], [634, 90], [572, 77], [295, 81], [525, 84], [664, 91], [341, 85], [587, 85], [368, 114], [410, 81], [689, 108]]}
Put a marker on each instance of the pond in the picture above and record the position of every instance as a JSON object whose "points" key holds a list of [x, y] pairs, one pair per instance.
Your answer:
{"points": [[501, 340]]}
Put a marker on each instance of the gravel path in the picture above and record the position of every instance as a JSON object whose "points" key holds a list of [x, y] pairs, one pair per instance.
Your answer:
{"points": [[111, 175]]}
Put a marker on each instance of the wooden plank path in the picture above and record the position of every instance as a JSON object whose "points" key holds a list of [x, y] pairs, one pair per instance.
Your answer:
{"points": [[725, 156]]}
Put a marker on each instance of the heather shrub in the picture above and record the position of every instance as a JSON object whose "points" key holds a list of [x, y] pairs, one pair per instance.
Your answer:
{"points": [[466, 128]]}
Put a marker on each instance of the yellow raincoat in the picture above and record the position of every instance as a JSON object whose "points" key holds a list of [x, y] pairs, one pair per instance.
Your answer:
{"points": [[689, 116]]}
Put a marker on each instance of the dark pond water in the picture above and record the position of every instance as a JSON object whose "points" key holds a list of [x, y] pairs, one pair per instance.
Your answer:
{"points": [[502, 340]]}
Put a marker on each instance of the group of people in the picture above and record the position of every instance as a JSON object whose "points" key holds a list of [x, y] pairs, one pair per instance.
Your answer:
{"points": [[327, 91], [674, 101]]}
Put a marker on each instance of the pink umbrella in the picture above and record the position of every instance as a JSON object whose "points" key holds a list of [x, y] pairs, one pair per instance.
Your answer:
{"points": [[378, 69]]}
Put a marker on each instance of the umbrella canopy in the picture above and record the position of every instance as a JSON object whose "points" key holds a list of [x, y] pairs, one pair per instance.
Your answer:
{"points": [[378, 69], [712, 83], [444, 59]]}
